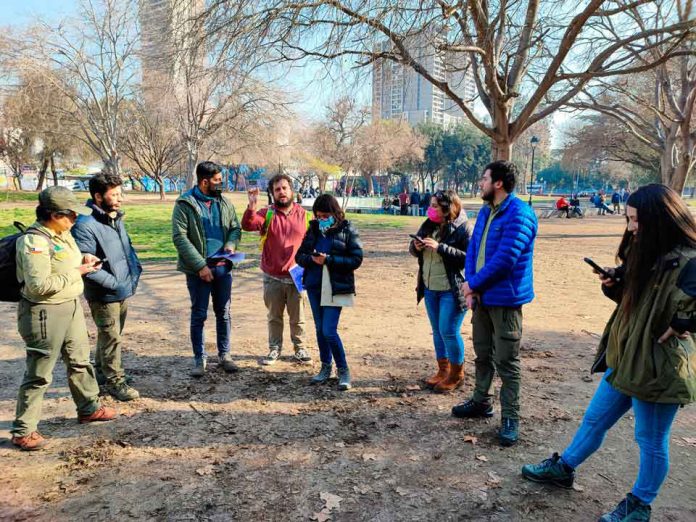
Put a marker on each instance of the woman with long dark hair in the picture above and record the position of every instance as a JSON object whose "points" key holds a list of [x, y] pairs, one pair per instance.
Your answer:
{"points": [[647, 351], [330, 252], [440, 246]]}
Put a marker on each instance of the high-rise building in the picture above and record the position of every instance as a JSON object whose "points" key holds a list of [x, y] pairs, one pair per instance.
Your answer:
{"points": [[399, 92], [168, 34]]}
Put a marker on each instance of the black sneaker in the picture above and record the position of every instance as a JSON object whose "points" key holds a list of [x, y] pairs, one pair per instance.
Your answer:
{"points": [[630, 509], [228, 364], [509, 432], [470, 409], [550, 471]]}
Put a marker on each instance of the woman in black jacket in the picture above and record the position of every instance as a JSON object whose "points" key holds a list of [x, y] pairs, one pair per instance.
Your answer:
{"points": [[331, 242], [440, 247]]}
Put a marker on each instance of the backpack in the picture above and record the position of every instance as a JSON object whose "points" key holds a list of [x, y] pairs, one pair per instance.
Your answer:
{"points": [[9, 286], [267, 226]]}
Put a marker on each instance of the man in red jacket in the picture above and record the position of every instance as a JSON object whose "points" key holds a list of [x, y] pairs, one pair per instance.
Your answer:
{"points": [[282, 227]]}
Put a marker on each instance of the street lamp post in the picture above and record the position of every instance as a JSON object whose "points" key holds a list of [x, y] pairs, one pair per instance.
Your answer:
{"points": [[534, 141]]}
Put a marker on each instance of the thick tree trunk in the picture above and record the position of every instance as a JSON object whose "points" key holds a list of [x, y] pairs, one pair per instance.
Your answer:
{"points": [[501, 150]]}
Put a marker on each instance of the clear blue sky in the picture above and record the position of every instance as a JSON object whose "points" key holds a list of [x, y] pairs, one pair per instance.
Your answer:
{"points": [[22, 12]]}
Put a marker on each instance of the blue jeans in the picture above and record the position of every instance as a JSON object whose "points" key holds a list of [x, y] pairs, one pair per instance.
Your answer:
{"points": [[446, 321], [200, 291], [326, 323], [653, 424]]}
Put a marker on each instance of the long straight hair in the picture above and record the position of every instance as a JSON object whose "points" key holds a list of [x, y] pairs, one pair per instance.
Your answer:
{"points": [[664, 223]]}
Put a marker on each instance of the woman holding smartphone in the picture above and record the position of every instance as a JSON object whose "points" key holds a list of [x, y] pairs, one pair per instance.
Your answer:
{"points": [[440, 246], [647, 351], [330, 253]]}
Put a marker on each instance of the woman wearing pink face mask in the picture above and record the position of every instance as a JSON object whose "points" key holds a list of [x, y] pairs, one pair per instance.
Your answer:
{"points": [[440, 247]]}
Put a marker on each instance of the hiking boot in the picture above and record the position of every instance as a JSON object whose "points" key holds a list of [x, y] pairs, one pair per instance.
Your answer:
{"points": [[271, 358], [101, 378], [302, 356], [102, 414], [442, 373], [323, 375], [343, 378], [122, 392], [454, 379], [228, 364], [470, 409], [630, 509], [509, 432], [32, 442], [550, 471], [199, 367]]}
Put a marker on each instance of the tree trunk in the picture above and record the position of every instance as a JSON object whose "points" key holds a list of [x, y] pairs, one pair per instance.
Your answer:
{"points": [[191, 160], [42, 173], [53, 170], [501, 150], [160, 187]]}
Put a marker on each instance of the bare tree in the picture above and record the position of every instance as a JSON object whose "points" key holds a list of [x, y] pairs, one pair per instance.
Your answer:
{"points": [[94, 66], [214, 82], [152, 141], [656, 108], [528, 58], [383, 144]]}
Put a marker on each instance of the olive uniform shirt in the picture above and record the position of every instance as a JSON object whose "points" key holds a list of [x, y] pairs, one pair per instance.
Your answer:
{"points": [[49, 277], [481, 259]]}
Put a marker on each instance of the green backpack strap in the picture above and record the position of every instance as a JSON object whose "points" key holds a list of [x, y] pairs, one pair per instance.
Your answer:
{"points": [[266, 227]]}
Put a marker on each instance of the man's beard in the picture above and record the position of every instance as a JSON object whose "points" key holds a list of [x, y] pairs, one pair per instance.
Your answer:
{"points": [[284, 204], [487, 195]]}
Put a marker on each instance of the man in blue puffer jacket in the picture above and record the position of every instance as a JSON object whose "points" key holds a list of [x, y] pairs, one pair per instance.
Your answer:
{"points": [[104, 235], [499, 281]]}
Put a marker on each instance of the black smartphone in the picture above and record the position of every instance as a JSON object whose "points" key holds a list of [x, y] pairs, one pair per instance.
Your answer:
{"points": [[414, 236], [598, 268]]}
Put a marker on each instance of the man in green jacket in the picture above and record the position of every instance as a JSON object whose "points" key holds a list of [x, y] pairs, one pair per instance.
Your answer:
{"points": [[204, 223]]}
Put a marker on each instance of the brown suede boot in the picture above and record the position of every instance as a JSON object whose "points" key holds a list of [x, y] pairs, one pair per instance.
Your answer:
{"points": [[444, 366], [454, 379]]}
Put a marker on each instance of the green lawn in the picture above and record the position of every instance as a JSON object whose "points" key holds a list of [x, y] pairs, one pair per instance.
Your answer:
{"points": [[149, 225]]}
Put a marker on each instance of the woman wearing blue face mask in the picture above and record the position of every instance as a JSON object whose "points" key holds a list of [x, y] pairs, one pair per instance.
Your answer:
{"points": [[440, 246], [330, 252]]}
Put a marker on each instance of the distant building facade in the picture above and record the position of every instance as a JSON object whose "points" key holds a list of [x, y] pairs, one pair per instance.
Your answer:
{"points": [[399, 92]]}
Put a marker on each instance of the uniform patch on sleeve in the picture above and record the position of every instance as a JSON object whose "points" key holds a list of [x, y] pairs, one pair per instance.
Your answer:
{"points": [[36, 250]]}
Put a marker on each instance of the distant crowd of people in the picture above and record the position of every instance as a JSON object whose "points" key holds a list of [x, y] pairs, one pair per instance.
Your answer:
{"points": [[647, 352]]}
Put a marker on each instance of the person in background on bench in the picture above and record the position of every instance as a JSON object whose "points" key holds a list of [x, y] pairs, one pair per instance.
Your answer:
{"points": [[575, 206], [563, 206], [601, 205]]}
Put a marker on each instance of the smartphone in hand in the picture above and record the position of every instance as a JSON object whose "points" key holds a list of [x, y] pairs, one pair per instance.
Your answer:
{"points": [[598, 268], [416, 238]]}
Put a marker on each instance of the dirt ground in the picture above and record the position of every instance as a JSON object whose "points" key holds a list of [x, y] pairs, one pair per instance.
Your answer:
{"points": [[263, 445]]}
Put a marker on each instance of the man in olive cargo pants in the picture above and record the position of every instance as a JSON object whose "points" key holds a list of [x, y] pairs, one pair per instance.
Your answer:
{"points": [[498, 282]]}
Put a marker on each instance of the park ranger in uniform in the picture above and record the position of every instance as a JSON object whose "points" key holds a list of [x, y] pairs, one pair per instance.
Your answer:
{"points": [[50, 317]]}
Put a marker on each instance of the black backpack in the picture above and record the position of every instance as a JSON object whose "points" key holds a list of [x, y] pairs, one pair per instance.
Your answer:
{"points": [[9, 286]]}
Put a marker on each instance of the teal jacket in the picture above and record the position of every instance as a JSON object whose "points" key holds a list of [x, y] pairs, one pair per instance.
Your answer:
{"points": [[188, 235]]}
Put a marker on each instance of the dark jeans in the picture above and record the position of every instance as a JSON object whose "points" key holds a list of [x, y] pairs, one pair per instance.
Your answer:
{"points": [[200, 291], [326, 323]]}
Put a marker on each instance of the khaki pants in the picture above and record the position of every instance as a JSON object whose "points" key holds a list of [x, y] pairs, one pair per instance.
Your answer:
{"points": [[50, 331], [497, 332], [110, 319], [277, 295]]}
